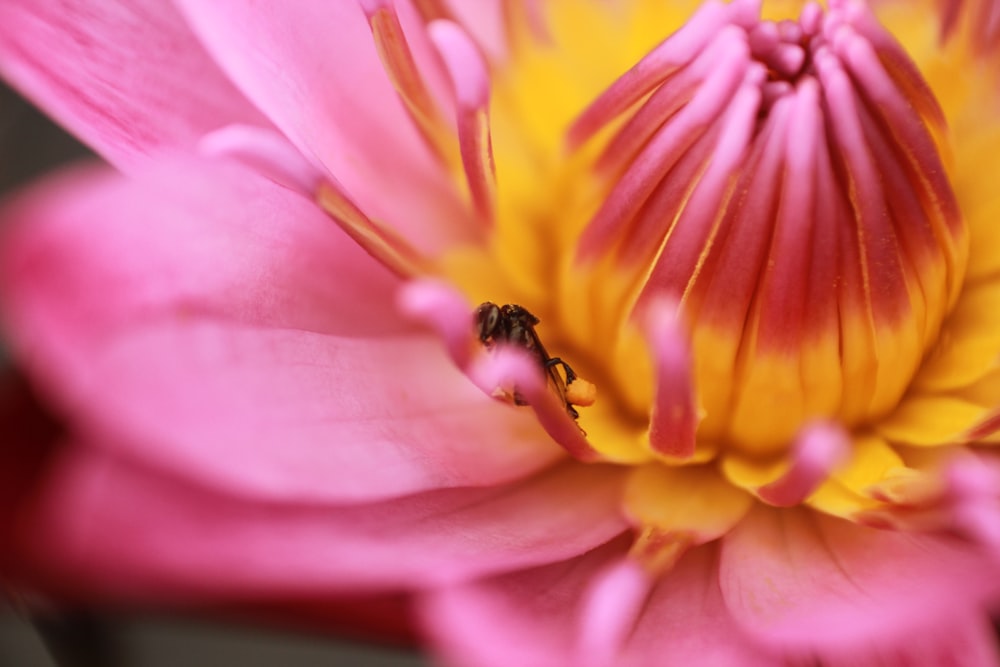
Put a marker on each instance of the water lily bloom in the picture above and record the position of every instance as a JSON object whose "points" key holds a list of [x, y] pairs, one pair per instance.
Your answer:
{"points": [[764, 234]]}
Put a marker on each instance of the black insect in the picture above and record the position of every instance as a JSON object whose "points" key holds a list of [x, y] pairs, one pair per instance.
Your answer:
{"points": [[514, 325]]}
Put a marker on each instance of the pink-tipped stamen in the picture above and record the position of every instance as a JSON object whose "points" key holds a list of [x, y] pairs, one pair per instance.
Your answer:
{"points": [[442, 307], [508, 368], [500, 372], [674, 419], [817, 452], [610, 610], [266, 152], [410, 83], [471, 81]]}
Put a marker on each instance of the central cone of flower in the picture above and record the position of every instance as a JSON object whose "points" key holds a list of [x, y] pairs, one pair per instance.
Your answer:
{"points": [[781, 181], [749, 233]]}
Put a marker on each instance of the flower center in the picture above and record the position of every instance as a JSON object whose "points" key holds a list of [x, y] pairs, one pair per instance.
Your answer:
{"points": [[781, 180]]}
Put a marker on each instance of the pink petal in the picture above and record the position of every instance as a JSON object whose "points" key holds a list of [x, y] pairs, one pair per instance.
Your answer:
{"points": [[686, 621], [529, 619], [189, 238], [223, 319], [107, 526], [534, 618], [311, 66], [811, 582], [128, 78]]}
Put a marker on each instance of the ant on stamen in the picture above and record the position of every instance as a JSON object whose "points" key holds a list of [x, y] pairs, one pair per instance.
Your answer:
{"points": [[515, 325]]}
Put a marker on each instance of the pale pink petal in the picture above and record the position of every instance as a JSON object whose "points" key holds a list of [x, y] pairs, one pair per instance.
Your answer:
{"points": [[535, 618], [686, 621], [188, 238], [111, 527], [233, 334], [529, 619], [810, 582], [128, 78], [311, 66]]}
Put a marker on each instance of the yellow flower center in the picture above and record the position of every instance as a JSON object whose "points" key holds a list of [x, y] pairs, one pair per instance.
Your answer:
{"points": [[843, 344], [826, 279]]}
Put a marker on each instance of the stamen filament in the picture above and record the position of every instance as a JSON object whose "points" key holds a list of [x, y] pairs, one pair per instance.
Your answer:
{"points": [[382, 243], [471, 82], [401, 67], [674, 417]]}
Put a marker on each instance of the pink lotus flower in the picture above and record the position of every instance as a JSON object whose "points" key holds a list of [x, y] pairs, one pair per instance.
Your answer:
{"points": [[769, 241]]}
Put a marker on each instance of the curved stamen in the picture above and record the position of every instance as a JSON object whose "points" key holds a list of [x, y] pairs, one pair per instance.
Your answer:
{"points": [[443, 308], [674, 417], [503, 369], [412, 86], [265, 151], [611, 608], [819, 449], [471, 82], [508, 368]]}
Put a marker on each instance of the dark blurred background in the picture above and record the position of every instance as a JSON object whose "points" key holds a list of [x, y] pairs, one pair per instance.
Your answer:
{"points": [[31, 145]]}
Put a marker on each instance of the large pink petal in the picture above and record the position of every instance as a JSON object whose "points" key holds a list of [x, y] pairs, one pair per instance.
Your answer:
{"points": [[226, 330], [529, 619], [687, 620], [814, 583], [533, 618], [187, 238], [106, 526], [128, 78], [312, 67]]}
